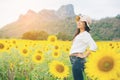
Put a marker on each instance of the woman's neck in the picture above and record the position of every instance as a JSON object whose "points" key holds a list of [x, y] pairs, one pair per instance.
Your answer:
{"points": [[82, 30]]}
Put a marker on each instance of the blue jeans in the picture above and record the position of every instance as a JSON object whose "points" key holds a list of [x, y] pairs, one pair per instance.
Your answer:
{"points": [[77, 67]]}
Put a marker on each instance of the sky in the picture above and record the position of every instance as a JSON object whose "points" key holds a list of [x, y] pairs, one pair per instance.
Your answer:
{"points": [[96, 9]]}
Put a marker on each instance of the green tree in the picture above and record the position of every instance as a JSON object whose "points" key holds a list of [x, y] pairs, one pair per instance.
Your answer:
{"points": [[35, 35], [118, 16], [63, 36]]}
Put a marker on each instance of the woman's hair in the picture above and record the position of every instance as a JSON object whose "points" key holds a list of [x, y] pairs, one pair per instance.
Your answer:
{"points": [[78, 30]]}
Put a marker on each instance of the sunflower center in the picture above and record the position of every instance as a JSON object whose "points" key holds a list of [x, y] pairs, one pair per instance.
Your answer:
{"points": [[106, 64], [14, 42], [38, 57], [55, 53], [60, 68], [1, 46], [56, 47], [39, 51], [25, 51], [67, 49], [8, 48], [110, 44], [52, 39]]}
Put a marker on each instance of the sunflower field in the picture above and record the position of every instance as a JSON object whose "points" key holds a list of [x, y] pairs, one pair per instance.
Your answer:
{"points": [[49, 60]]}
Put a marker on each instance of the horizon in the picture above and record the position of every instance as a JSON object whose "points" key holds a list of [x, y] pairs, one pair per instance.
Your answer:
{"points": [[16, 8]]}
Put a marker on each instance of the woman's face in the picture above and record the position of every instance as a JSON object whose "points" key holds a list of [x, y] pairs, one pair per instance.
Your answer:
{"points": [[80, 24]]}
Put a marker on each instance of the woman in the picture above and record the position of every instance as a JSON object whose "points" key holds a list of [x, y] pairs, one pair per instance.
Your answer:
{"points": [[81, 41]]}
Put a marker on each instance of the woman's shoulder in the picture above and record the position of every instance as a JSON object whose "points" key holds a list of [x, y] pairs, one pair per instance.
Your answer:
{"points": [[87, 37], [87, 33]]}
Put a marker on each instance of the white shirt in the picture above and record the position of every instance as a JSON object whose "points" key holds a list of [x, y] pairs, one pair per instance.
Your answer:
{"points": [[81, 42]]}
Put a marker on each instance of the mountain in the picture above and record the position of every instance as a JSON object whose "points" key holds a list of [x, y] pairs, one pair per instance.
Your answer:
{"points": [[38, 21], [60, 21], [66, 11]]}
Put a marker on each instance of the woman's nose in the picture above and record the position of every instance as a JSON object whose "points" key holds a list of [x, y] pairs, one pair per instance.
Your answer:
{"points": [[79, 23]]}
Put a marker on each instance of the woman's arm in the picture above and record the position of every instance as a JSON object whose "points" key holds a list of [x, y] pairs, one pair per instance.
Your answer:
{"points": [[92, 47], [87, 53]]}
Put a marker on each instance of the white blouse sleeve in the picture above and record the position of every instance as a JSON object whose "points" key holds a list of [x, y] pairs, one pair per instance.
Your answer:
{"points": [[92, 44]]}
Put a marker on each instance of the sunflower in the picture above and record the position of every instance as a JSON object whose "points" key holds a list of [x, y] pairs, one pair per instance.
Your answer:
{"points": [[26, 61], [66, 49], [52, 38], [24, 51], [13, 43], [102, 64], [39, 50], [2, 46], [56, 46], [38, 58], [56, 53], [115, 46], [58, 69]]}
